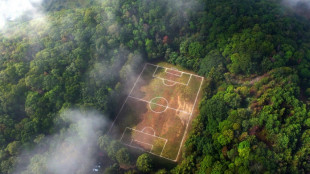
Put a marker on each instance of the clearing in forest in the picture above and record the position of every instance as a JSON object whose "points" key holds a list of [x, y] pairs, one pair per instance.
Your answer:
{"points": [[156, 114]]}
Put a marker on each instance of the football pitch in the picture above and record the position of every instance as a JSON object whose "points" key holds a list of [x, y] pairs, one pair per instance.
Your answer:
{"points": [[157, 112]]}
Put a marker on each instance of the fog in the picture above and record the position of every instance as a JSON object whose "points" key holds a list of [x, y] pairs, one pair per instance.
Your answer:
{"points": [[11, 10], [300, 7], [72, 150], [296, 2]]}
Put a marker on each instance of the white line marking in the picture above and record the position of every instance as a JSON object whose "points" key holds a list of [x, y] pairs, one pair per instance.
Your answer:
{"points": [[185, 132], [197, 96], [146, 133], [155, 71], [126, 99], [182, 71], [174, 70], [123, 134], [151, 149], [163, 148], [166, 107], [148, 128], [190, 77], [142, 142], [148, 152], [178, 110], [135, 147], [165, 83], [155, 76], [130, 145], [170, 80]]}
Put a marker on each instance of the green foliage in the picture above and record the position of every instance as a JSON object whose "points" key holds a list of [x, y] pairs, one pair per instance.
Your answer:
{"points": [[162, 171], [213, 111], [113, 149], [114, 169], [308, 92], [240, 63], [144, 163], [244, 149], [212, 60], [37, 164], [254, 115], [123, 156], [259, 137], [206, 163], [13, 148]]}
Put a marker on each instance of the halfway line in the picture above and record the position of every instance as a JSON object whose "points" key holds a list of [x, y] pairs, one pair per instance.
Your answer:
{"points": [[159, 105]]}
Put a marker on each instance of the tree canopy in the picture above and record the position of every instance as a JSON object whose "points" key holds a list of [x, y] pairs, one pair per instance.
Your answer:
{"points": [[255, 56]]}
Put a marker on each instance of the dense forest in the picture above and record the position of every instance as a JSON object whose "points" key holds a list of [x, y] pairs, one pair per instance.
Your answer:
{"points": [[63, 73]]}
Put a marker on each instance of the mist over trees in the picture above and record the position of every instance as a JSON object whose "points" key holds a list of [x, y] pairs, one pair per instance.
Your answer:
{"points": [[254, 115]]}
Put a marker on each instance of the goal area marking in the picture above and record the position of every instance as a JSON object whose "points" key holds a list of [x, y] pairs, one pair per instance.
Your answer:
{"points": [[172, 81], [172, 69], [147, 134], [133, 141]]}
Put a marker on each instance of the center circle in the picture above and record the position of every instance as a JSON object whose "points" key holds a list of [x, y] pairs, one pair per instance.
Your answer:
{"points": [[158, 104]]}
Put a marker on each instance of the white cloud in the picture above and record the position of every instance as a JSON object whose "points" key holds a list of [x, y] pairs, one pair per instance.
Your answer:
{"points": [[299, 7], [294, 3], [72, 150], [11, 10]]}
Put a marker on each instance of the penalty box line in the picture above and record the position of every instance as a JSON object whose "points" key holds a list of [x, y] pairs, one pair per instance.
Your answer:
{"points": [[133, 140], [180, 71], [163, 79], [178, 110], [148, 152], [126, 99], [142, 133], [185, 84], [174, 70], [130, 145]]}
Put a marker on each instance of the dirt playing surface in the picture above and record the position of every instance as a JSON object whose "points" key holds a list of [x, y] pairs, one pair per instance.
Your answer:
{"points": [[156, 113]]}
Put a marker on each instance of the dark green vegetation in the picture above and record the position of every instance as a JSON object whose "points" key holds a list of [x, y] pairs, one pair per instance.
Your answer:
{"points": [[254, 116]]}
